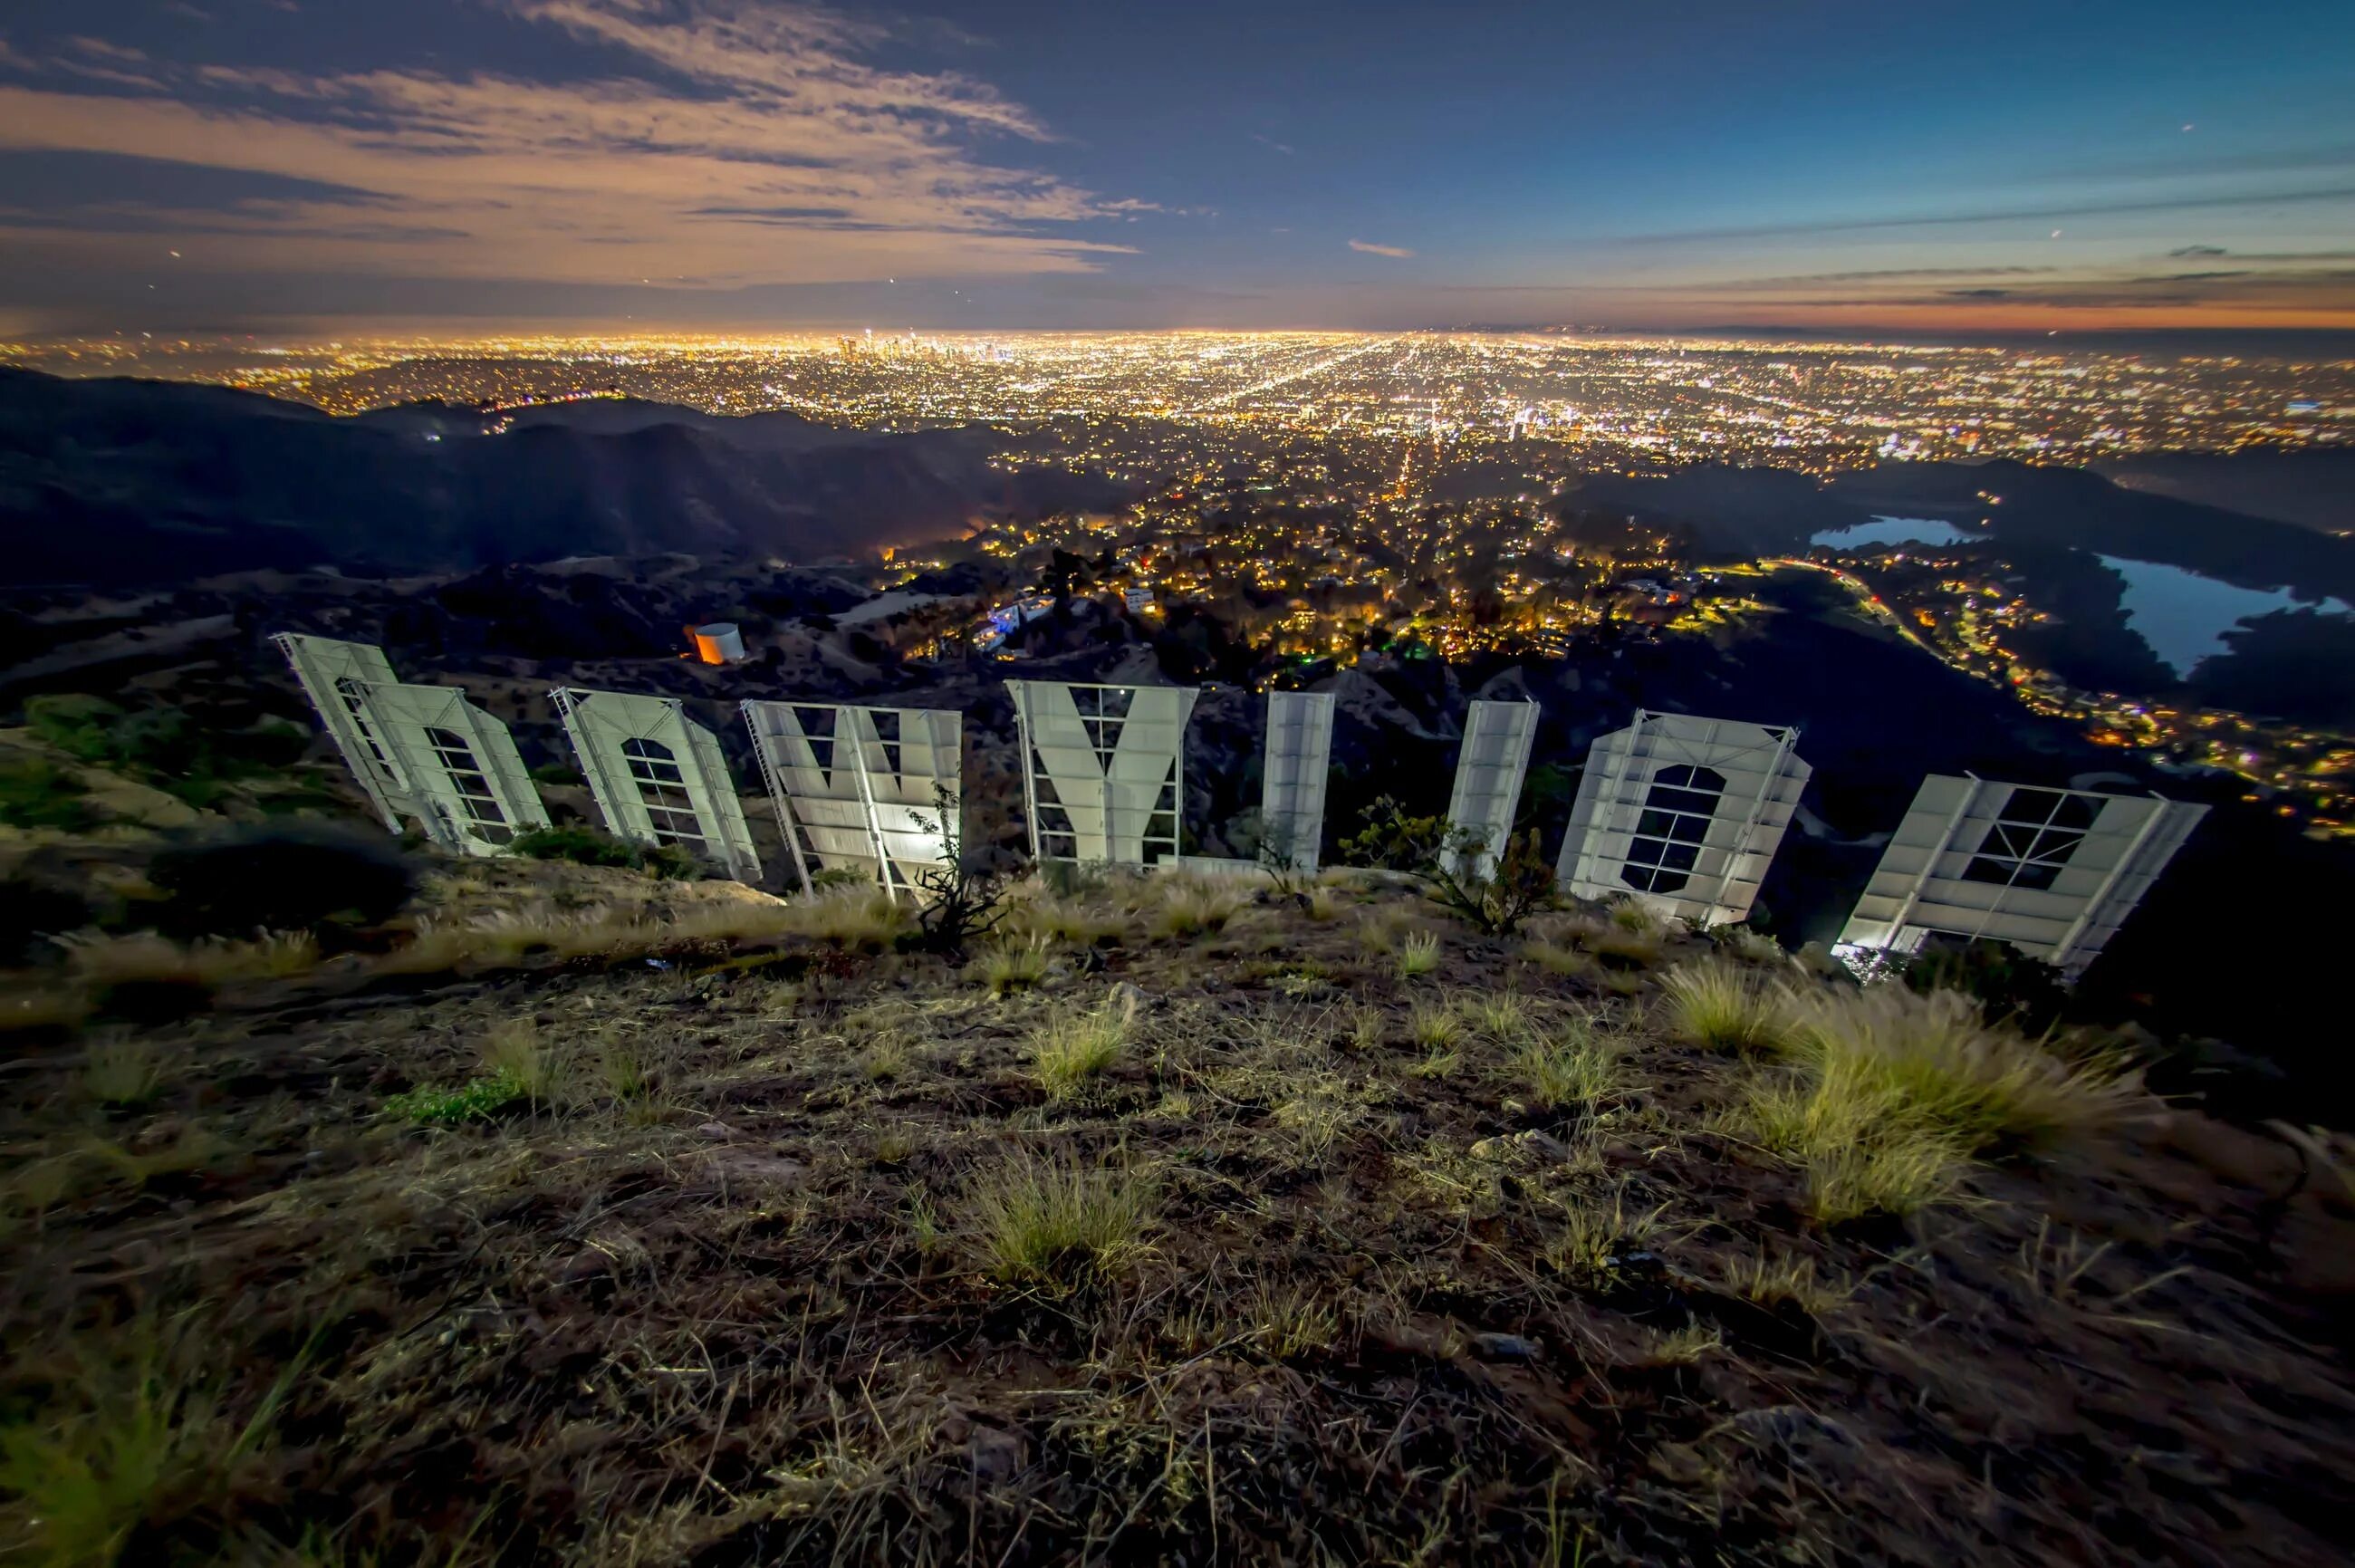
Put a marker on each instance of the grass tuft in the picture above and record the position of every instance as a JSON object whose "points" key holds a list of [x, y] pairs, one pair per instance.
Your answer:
{"points": [[1934, 1057], [1056, 1224], [123, 1070], [1191, 909], [1014, 967], [515, 1054], [1434, 1026], [1290, 1321], [1418, 954], [1071, 1047], [1726, 1008], [1577, 1067]]}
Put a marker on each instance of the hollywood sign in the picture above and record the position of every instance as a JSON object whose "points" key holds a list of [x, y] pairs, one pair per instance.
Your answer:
{"points": [[1680, 814]]}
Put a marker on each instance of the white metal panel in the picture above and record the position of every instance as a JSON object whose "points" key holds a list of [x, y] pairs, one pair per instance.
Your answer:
{"points": [[1489, 773], [874, 791], [332, 674], [1103, 770], [2054, 872], [658, 777], [1298, 755], [1682, 813], [467, 784]]}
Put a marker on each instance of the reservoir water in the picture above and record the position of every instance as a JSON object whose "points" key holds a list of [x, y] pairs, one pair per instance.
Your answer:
{"points": [[2184, 616], [1895, 531], [2181, 614]]}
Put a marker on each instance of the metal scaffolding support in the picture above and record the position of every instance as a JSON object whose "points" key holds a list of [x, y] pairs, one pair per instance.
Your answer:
{"points": [[2053, 872], [1292, 775], [1494, 759], [1683, 814], [874, 791], [1103, 770], [658, 777]]}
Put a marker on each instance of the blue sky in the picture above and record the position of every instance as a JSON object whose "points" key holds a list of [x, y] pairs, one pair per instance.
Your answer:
{"points": [[480, 165]]}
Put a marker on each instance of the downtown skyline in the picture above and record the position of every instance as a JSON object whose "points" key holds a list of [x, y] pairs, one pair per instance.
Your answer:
{"points": [[468, 167]]}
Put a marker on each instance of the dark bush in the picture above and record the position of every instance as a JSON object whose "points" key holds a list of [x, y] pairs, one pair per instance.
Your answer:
{"points": [[585, 845], [2009, 986], [34, 793], [31, 911], [279, 876]]}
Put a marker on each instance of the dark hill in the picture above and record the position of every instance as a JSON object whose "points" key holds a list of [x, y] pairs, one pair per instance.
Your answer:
{"points": [[1759, 510], [115, 483]]}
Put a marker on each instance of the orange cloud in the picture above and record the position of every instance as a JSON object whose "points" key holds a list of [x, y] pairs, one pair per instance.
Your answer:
{"points": [[787, 160]]}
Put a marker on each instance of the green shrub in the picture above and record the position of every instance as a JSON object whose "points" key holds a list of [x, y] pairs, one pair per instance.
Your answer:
{"points": [[586, 845], [2009, 986], [34, 794], [33, 910], [476, 1102]]}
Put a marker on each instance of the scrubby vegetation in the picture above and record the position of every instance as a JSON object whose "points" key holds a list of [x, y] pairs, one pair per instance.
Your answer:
{"points": [[586, 845], [574, 1216]]}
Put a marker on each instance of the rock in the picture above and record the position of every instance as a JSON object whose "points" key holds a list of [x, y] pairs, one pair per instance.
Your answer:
{"points": [[1127, 998], [1545, 1146], [1787, 1424], [587, 1263], [775, 1169], [1493, 1347], [995, 1456]]}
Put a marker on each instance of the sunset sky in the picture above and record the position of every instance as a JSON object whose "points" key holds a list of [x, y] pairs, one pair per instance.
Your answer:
{"points": [[282, 166]]}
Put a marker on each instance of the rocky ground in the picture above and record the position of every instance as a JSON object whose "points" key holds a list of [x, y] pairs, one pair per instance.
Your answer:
{"points": [[630, 1222]]}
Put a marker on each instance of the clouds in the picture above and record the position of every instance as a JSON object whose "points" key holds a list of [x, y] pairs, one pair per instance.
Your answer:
{"points": [[1368, 248], [2333, 195], [712, 142]]}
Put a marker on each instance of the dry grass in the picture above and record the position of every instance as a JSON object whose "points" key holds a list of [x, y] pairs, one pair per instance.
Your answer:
{"points": [[1723, 1007], [1578, 1065], [502, 938], [1435, 1026], [1863, 1149], [862, 919], [1290, 1320], [1934, 1056], [1505, 1017], [1190, 908], [1771, 1279], [1418, 955], [1013, 968], [98, 959], [516, 1053], [123, 1070], [1072, 1048], [1045, 918], [1630, 949], [1564, 962], [1056, 1223]]}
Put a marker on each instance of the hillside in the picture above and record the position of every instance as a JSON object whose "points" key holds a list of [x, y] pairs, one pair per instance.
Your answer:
{"points": [[574, 1216], [1758, 511], [113, 484]]}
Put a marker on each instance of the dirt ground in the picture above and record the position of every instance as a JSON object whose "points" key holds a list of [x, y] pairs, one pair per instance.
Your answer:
{"points": [[720, 1289]]}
